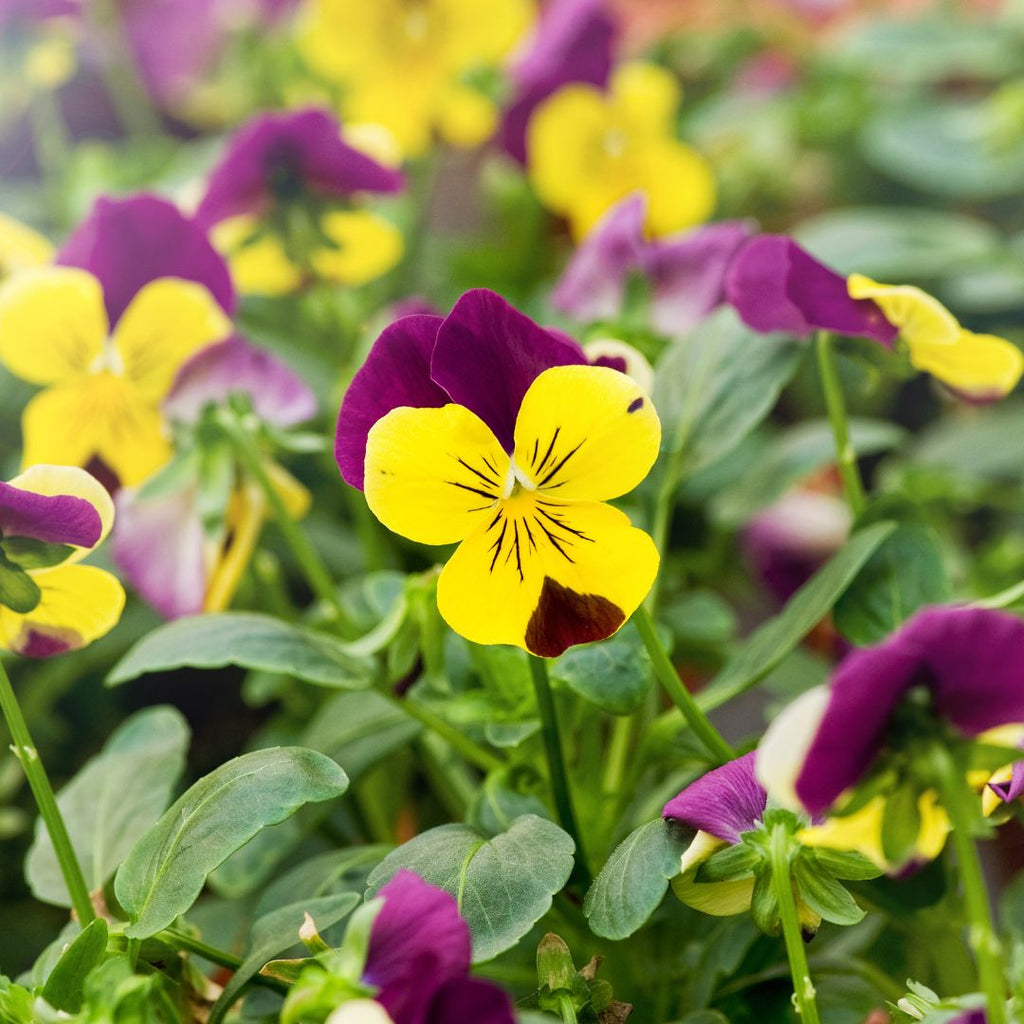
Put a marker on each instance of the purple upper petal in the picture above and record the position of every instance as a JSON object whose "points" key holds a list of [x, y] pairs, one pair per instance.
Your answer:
{"points": [[593, 285], [1012, 790], [724, 803], [301, 149], [687, 274], [418, 943], [972, 661], [278, 394], [488, 354], [127, 243], [573, 43], [53, 519], [396, 373], [775, 285], [470, 999], [36, 10]]}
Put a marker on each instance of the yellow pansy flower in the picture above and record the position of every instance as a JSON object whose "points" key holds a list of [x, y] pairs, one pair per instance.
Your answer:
{"points": [[588, 149], [21, 247], [102, 390]]}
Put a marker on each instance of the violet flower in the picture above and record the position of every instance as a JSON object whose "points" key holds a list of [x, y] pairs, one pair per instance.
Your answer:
{"points": [[686, 272], [573, 42]]}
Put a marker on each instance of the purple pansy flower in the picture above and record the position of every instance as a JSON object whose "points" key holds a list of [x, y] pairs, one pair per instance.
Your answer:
{"points": [[421, 973], [775, 285], [724, 803], [970, 659], [1013, 788], [126, 243], [686, 271], [280, 153], [484, 355], [51, 518], [573, 43]]}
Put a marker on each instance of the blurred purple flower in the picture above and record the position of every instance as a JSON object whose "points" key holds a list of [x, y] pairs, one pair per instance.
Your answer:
{"points": [[971, 660], [1013, 789], [36, 10], [283, 154], [686, 271], [724, 803], [573, 42]]}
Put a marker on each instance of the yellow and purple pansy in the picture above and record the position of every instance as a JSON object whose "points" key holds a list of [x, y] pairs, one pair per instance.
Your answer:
{"points": [[486, 430], [775, 285], [51, 517], [284, 205]]}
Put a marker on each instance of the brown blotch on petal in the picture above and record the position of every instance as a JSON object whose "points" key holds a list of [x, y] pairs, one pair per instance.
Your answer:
{"points": [[563, 618]]}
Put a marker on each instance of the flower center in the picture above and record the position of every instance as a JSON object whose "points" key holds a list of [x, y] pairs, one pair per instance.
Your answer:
{"points": [[108, 361], [516, 481]]}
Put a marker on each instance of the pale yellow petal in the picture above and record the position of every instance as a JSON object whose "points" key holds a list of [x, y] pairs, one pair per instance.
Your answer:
{"points": [[21, 247], [366, 247], [980, 366]]}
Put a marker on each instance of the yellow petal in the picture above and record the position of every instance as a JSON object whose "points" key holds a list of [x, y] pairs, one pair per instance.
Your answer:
{"points": [[545, 575], [296, 498], [645, 98], [433, 475], [920, 318], [679, 185], [585, 433], [702, 846], [246, 513], [167, 321], [73, 480], [477, 33], [980, 366], [259, 265], [52, 324], [466, 117], [368, 247], [78, 604], [21, 247], [720, 899]]}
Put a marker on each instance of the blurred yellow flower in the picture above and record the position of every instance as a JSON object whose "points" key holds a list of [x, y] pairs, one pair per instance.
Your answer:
{"points": [[21, 247]]}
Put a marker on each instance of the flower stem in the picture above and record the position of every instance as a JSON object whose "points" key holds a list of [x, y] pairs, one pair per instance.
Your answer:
{"points": [[35, 773], [803, 987], [556, 763], [846, 457], [666, 674], [959, 800], [567, 1010], [182, 940]]}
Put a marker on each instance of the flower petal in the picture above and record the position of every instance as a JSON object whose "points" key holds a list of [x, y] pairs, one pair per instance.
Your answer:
{"points": [[471, 999], [979, 367], [679, 184], [919, 317], [396, 373], [1012, 788], [167, 321], [586, 433], [546, 576], [433, 475], [367, 247], [52, 324], [783, 749], [21, 247], [259, 264], [724, 803], [78, 604], [359, 1011], [720, 899], [488, 354]]}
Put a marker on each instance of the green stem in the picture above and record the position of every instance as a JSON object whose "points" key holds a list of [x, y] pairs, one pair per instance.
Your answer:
{"points": [[846, 457], [182, 940], [52, 150], [803, 987], [567, 1009], [556, 763], [617, 753], [305, 554], [666, 674], [25, 751], [960, 802]]}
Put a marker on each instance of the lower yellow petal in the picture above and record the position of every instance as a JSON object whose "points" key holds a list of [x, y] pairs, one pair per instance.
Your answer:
{"points": [[366, 247], [920, 318], [258, 263], [645, 97], [980, 366], [79, 604], [433, 475], [467, 117], [544, 575], [679, 185], [720, 899]]}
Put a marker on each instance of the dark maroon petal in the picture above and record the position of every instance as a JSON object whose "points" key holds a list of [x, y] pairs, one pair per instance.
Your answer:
{"points": [[470, 999], [127, 243], [1012, 790], [970, 1017], [687, 274], [488, 354], [53, 519], [303, 148], [417, 944], [755, 285], [396, 373], [724, 803], [37, 641], [594, 283], [573, 43], [232, 366]]}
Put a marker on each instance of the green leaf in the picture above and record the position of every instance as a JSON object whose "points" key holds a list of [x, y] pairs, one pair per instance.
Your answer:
{"points": [[249, 640], [846, 864], [167, 868], [18, 591], [769, 644], [633, 882], [111, 802], [905, 573], [64, 987], [901, 824], [614, 674], [824, 895], [30, 553], [503, 885], [714, 385]]}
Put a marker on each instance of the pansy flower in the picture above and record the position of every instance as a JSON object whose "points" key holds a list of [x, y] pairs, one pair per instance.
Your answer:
{"points": [[685, 271], [483, 428], [51, 517], [587, 149], [281, 204], [415, 68], [775, 285]]}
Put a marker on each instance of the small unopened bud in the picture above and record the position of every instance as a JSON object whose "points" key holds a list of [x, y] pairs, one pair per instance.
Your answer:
{"points": [[310, 937]]}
